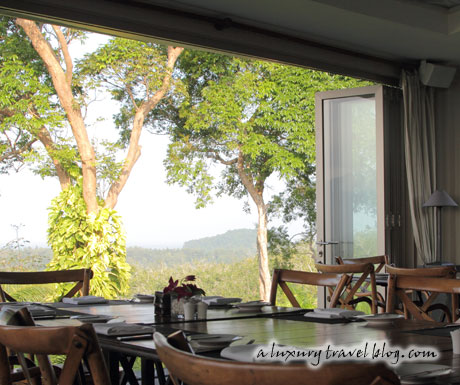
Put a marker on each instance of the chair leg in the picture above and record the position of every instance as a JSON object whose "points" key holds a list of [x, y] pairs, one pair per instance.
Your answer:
{"points": [[160, 372], [148, 372], [128, 374]]}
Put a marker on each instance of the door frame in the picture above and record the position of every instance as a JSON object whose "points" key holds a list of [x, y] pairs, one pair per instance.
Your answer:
{"points": [[320, 192]]}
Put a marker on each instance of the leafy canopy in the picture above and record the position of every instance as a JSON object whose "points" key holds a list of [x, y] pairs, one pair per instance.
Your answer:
{"points": [[27, 101], [259, 111]]}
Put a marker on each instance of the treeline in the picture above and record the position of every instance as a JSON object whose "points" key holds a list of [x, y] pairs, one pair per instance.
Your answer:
{"points": [[232, 246], [36, 258], [240, 239], [172, 257], [25, 259]]}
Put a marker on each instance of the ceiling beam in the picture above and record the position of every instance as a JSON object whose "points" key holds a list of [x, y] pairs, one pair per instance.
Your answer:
{"points": [[138, 20]]}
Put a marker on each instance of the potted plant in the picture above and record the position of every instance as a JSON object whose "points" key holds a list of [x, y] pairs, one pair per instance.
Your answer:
{"points": [[180, 291]]}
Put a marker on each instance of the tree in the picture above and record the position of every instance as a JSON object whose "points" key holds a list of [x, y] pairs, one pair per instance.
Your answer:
{"points": [[254, 119], [55, 95], [27, 106]]}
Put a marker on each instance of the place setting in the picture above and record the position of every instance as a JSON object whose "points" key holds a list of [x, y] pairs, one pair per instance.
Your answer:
{"points": [[143, 298], [217, 301], [251, 306], [379, 319], [211, 342]]}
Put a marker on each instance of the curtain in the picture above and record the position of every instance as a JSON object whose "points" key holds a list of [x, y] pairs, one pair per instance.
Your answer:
{"points": [[420, 158]]}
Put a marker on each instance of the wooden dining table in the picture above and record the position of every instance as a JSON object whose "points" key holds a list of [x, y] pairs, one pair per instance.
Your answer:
{"points": [[286, 326]]}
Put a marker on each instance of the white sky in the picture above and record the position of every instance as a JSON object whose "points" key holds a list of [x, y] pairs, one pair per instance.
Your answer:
{"points": [[154, 213]]}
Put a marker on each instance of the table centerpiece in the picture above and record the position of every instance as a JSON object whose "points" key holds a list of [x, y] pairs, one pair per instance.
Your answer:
{"points": [[181, 291]]}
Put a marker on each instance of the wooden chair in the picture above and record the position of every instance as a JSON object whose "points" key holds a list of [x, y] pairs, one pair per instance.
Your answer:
{"points": [[281, 277], [80, 276], [199, 370], [348, 297], [76, 343], [438, 271], [379, 263], [22, 317], [429, 281]]}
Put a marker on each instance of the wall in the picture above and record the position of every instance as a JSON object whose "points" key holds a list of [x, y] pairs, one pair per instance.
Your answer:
{"points": [[448, 164]]}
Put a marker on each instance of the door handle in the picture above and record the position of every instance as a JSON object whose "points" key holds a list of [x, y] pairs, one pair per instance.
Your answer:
{"points": [[327, 243]]}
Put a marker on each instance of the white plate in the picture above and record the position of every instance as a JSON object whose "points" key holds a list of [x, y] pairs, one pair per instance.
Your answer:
{"points": [[220, 301], [242, 353], [208, 342], [147, 298], [421, 373], [252, 306], [380, 319]]}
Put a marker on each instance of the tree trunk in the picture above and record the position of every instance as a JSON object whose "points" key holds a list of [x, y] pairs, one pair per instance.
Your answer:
{"points": [[262, 248], [255, 191], [62, 84]]}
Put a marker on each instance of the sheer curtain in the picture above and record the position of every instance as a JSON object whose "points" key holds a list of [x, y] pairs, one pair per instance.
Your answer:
{"points": [[420, 152]]}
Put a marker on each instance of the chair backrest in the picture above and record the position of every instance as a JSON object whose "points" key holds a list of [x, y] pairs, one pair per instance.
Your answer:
{"points": [[76, 343], [80, 276], [378, 261], [346, 297], [282, 276], [438, 271], [199, 370], [431, 281]]}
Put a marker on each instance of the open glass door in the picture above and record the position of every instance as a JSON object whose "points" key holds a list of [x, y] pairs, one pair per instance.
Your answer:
{"points": [[350, 173]]}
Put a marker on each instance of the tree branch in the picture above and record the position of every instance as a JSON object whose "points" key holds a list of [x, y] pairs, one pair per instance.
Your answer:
{"points": [[45, 138], [248, 181], [6, 112], [134, 150], [131, 96], [216, 156], [16, 152], [65, 51]]}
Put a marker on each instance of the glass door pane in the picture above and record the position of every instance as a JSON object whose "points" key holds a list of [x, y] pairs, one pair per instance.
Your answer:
{"points": [[351, 176]]}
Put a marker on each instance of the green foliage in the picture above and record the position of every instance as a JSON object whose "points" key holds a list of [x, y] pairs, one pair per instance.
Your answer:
{"points": [[171, 257], [234, 279], [263, 113], [26, 98], [237, 279], [280, 245], [26, 259], [365, 242], [132, 71], [86, 240]]}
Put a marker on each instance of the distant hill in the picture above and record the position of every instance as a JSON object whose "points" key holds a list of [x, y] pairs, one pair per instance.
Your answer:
{"points": [[241, 239], [232, 246]]}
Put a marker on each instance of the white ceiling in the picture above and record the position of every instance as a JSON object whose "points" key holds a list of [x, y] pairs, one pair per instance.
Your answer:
{"points": [[401, 30]]}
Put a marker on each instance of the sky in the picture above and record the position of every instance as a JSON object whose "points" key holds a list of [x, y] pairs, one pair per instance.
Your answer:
{"points": [[154, 213]]}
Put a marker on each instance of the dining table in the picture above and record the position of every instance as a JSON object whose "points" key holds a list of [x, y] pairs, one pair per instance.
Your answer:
{"points": [[270, 324]]}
